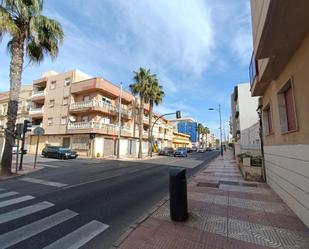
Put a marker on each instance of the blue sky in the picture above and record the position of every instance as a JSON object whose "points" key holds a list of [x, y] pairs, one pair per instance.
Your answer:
{"points": [[198, 48]]}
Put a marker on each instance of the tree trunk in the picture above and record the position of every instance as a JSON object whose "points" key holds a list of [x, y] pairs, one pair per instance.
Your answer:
{"points": [[141, 114], [16, 68], [149, 130]]}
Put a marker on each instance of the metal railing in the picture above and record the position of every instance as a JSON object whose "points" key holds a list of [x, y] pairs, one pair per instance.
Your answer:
{"points": [[39, 110], [91, 103], [38, 93], [96, 125], [253, 69]]}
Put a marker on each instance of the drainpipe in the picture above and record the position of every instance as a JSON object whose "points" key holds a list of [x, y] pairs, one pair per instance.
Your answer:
{"points": [[259, 112]]}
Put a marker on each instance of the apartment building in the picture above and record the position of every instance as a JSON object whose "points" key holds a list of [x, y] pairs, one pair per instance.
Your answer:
{"points": [[181, 140], [279, 74], [244, 120], [82, 113], [22, 113]]}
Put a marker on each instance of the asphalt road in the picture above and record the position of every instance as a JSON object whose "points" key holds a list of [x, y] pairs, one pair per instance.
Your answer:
{"points": [[84, 203]]}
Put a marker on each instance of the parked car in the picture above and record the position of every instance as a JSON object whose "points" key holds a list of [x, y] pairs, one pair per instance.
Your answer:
{"points": [[181, 151], [166, 151], [208, 149], [200, 150], [194, 149], [189, 150], [58, 152]]}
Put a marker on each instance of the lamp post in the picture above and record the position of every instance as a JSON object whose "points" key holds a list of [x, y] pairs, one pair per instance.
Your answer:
{"points": [[119, 122], [219, 110]]}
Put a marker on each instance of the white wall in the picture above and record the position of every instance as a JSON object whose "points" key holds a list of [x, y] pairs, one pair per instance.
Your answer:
{"points": [[250, 138], [247, 106], [287, 172]]}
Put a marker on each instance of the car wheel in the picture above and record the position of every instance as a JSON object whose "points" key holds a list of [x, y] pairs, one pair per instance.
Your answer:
{"points": [[186, 155]]}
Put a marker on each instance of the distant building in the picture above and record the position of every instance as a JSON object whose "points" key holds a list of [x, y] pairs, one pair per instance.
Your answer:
{"points": [[181, 140], [244, 120], [189, 128]]}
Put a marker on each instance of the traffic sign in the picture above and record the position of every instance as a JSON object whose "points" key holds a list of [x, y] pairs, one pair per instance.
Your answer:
{"points": [[38, 131]]}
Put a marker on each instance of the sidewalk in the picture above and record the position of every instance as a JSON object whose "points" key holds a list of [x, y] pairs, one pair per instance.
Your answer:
{"points": [[233, 214]]}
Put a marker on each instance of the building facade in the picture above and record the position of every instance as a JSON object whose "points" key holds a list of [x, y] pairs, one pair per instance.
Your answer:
{"points": [[189, 128], [181, 140], [82, 113], [244, 120], [279, 74]]}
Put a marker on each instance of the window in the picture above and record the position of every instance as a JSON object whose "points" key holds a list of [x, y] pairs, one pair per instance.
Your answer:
{"points": [[86, 98], [53, 85], [267, 120], [105, 120], [49, 121], [287, 113], [67, 81], [63, 120], [85, 119], [65, 101], [106, 100], [51, 103]]}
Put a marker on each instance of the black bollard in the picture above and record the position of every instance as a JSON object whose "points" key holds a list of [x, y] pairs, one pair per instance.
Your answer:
{"points": [[178, 194]]}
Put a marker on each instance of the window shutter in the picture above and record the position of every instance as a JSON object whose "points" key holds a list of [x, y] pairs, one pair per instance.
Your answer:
{"points": [[290, 110]]}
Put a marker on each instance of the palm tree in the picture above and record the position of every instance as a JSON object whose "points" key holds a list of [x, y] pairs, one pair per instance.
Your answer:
{"points": [[139, 87], [34, 35], [154, 96], [200, 128], [205, 132]]}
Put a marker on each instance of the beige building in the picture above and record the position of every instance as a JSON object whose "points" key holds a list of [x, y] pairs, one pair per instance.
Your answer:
{"points": [[82, 112], [22, 114], [181, 140], [279, 74]]}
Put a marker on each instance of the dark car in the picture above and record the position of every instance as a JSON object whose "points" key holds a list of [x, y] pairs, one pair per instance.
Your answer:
{"points": [[166, 151], [181, 151], [189, 150], [58, 152]]}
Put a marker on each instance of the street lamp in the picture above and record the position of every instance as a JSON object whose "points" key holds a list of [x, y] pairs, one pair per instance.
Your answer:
{"points": [[219, 110]]}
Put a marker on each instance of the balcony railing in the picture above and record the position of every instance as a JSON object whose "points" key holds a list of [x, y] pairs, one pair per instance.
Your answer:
{"points": [[253, 69], [96, 125], [91, 103], [35, 111], [36, 94]]}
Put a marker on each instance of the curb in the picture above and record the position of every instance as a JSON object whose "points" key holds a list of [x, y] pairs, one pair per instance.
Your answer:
{"points": [[137, 223]]}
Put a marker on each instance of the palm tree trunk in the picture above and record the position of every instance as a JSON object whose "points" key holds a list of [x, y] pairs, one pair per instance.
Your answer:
{"points": [[141, 114], [149, 130], [16, 68]]}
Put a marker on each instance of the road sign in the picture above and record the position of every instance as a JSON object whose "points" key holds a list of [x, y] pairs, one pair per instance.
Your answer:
{"points": [[38, 131]]}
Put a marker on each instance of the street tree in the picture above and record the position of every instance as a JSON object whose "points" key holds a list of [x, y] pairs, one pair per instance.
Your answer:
{"points": [[32, 35], [139, 87], [200, 129], [154, 96]]}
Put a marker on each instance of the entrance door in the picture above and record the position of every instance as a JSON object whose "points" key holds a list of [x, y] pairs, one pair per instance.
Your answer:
{"points": [[108, 147], [66, 142]]}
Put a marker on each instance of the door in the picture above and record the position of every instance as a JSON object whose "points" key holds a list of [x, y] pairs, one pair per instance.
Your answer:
{"points": [[108, 148], [66, 142]]}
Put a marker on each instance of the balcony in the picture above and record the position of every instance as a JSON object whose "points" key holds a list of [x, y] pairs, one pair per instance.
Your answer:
{"points": [[92, 105], [146, 120], [96, 127], [100, 85], [38, 96], [36, 112]]}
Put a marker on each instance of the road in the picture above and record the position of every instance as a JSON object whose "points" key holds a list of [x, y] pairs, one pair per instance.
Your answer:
{"points": [[84, 203]]}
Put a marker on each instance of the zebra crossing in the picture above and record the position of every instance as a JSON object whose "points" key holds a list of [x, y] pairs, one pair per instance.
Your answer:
{"points": [[73, 240]]}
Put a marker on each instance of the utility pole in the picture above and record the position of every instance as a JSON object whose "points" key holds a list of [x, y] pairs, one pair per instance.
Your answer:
{"points": [[220, 130], [119, 122]]}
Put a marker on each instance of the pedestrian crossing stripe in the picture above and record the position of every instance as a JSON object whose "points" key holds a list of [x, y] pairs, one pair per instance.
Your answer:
{"points": [[8, 194], [44, 182], [73, 240]]}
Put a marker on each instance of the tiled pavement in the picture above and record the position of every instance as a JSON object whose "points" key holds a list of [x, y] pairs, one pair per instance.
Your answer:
{"points": [[226, 216]]}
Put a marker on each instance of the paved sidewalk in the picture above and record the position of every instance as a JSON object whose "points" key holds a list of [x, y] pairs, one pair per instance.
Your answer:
{"points": [[232, 214]]}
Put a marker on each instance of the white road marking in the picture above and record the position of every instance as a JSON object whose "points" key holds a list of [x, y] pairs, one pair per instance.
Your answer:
{"points": [[15, 200], [18, 213], [15, 236], [7, 194], [48, 165], [44, 182], [79, 237]]}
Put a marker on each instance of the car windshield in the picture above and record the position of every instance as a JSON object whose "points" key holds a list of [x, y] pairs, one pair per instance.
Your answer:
{"points": [[181, 148], [65, 149]]}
